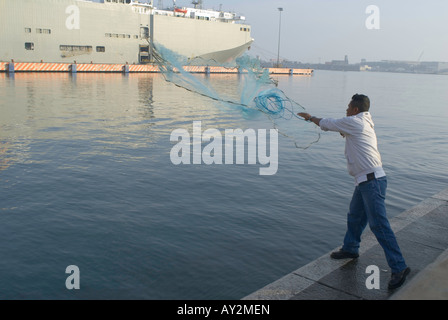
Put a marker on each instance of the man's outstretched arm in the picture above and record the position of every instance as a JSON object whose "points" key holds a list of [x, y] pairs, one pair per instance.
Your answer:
{"points": [[315, 120], [309, 117]]}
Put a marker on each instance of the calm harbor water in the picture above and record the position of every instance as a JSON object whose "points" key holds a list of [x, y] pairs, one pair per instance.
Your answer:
{"points": [[86, 180]]}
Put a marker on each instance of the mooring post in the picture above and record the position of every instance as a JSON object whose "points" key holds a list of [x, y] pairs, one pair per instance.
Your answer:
{"points": [[126, 68], [10, 67], [73, 68]]}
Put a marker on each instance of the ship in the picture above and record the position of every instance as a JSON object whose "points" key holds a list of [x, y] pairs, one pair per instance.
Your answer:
{"points": [[118, 32]]}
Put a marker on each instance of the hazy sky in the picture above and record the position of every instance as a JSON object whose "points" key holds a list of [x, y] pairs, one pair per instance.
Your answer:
{"points": [[325, 30]]}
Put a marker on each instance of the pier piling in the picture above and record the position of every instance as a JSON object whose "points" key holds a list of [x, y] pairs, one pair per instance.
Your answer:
{"points": [[126, 68], [10, 67], [73, 68]]}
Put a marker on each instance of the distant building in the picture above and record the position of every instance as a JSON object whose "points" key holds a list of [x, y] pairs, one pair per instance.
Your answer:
{"points": [[424, 67], [281, 62], [364, 67], [442, 68], [339, 62]]}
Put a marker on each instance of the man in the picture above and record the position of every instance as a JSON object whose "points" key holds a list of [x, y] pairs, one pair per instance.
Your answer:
{"points": [[367, 204]]}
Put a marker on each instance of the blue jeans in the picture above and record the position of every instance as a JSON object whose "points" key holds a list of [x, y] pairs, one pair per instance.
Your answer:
{"points": [[367, 206]]}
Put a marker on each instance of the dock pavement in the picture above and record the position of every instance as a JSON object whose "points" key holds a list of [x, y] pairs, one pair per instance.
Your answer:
{"points": [[422, 233]]}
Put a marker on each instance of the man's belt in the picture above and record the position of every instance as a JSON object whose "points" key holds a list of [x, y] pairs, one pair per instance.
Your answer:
{"points": [[371, 176]]}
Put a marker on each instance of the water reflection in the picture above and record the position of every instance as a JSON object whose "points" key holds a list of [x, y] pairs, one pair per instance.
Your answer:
{"points": [[111, 111], [4, 159]]}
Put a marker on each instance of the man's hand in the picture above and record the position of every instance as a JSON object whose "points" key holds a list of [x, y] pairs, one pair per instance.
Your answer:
{"points": [[304, 115], [309, 117]]}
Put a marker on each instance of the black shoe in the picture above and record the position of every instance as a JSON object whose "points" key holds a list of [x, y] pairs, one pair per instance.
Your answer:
{"points": [[397, 279], [341, 254]]}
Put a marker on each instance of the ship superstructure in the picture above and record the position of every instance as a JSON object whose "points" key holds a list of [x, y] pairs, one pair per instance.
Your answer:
{"points": [[116, 31]]}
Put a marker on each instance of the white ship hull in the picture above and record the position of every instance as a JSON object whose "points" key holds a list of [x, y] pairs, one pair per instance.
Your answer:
{"points": [[65, 31]]}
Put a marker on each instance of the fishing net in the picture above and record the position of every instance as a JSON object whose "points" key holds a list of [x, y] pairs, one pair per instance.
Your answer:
{"points": [[258, 94]]}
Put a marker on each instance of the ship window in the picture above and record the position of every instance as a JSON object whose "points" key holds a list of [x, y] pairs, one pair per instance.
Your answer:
{"points": [[144, 48], [144, 32], [38, 30], [29, 45], [46, 31], [27, 30], [75, 48], [100, 49]]}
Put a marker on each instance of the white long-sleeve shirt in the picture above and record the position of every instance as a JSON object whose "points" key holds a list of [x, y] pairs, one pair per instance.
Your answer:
{"points": [[361, 147]]}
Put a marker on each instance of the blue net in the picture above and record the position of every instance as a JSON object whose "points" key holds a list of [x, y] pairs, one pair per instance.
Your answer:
{"points": [[259, 94]]}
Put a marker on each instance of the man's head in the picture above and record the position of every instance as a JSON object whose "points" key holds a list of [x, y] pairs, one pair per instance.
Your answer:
{"points": [[359, 103]]}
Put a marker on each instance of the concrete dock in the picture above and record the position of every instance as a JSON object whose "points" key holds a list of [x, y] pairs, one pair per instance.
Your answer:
{"points": [[12, 67], [422, 233]]}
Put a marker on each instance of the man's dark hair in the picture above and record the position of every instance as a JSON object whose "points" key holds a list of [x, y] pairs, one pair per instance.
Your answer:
{"points": [[361, 102]]}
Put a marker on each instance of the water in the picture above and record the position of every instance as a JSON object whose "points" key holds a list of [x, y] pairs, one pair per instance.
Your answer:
{"points": [[86, 180]]}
